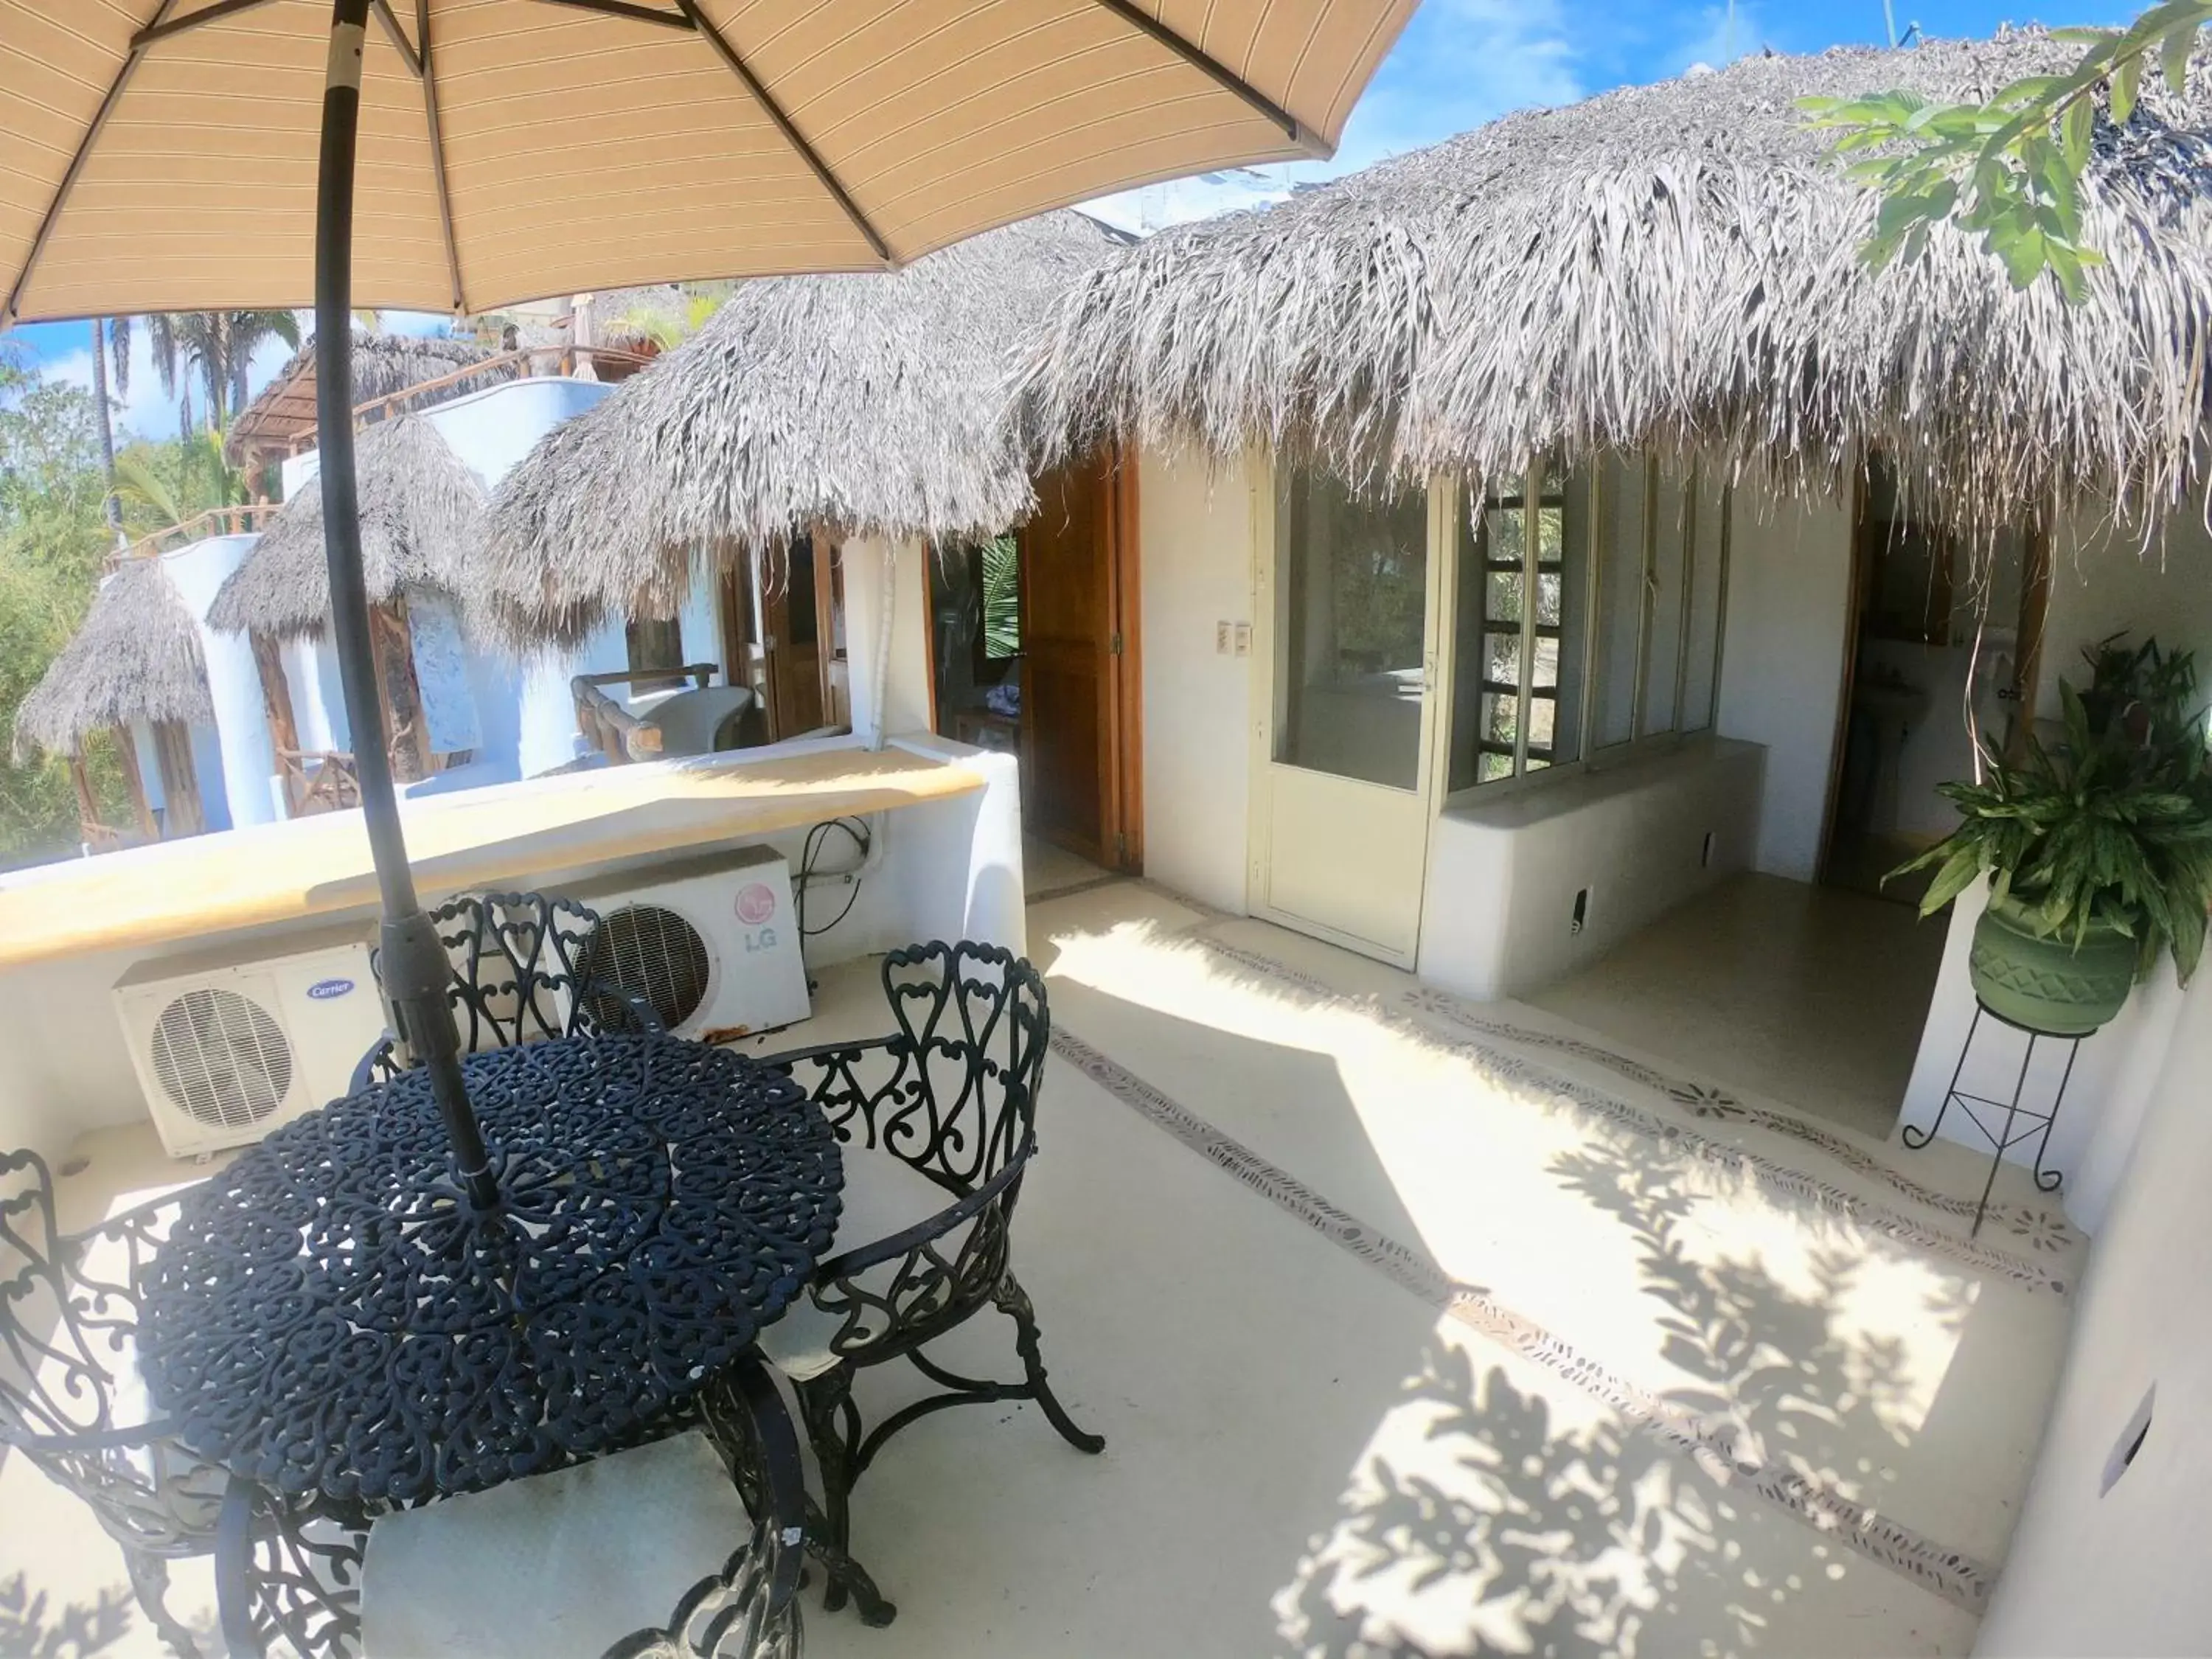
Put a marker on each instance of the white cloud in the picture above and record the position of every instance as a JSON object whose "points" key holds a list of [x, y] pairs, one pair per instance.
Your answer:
{"points": [[1719, 35], [1459, 64], [146, 411]]}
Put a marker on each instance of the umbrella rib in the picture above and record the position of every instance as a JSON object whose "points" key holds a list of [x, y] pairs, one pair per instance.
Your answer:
{"points": [[124, 71], [806, 152], [426, 70], [1145, 23], [415, 61], [161, 30]]}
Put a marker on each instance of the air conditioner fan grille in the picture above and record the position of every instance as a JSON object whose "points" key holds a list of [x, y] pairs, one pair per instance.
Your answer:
{"points": [[221, 1058], [648, 951]]}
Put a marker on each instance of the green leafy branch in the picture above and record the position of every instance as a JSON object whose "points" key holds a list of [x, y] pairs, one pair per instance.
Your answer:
{"points": [[2010, 168]]}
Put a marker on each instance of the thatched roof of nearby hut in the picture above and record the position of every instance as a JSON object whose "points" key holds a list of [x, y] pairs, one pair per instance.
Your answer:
{"points": [[422, 524], [137, 657], [870, 403], [1672, 265], [383, 365]]}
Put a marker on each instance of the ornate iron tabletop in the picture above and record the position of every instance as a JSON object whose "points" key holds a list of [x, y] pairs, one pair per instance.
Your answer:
{"points": [[329, 1314]]}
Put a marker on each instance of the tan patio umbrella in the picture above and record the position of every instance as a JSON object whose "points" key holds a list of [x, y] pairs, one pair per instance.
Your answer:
{"points": [[491, 151]]}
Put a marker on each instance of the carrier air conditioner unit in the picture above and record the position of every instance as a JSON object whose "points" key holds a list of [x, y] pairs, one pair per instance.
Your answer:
{"points": [[711, 943], [230, 1043]]}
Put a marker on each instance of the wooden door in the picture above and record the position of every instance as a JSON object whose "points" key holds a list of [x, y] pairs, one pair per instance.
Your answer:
{"points": [[791, 643], [1080, 768]]}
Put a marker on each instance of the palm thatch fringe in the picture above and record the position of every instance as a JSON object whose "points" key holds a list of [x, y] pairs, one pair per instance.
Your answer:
{"points": [[869, 405], [137, 657], [1673, 267], [421, 526]]}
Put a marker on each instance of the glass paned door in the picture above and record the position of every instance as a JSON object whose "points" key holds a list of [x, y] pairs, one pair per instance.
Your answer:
{"points": [[1341, 781]]}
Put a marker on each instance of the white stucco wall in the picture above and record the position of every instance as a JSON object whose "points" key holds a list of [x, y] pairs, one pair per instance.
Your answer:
{"points": [[2110, 1559], [1195, 527], [1782, 662], [906, 701], [1497, 917], [235, 760]]}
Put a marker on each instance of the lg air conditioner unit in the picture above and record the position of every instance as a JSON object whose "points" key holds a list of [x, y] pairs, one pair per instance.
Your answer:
{"points": [[230, 1043], [711, 943]]}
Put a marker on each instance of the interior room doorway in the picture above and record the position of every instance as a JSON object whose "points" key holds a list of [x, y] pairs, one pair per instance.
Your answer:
{"points": [[1034, 649], [1945, 645]]}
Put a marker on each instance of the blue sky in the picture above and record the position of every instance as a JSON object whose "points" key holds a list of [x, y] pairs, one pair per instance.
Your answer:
{"points": [[1459, 63]]}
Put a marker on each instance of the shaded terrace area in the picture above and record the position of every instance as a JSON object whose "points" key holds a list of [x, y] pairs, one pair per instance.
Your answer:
{"points": [[1413, 1326]]}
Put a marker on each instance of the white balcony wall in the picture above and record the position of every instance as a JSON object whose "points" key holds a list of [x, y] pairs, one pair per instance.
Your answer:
{"points": [[2108, 1558]]}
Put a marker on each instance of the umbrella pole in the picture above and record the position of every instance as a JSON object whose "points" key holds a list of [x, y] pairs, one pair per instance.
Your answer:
{"points": [[412, 962]]}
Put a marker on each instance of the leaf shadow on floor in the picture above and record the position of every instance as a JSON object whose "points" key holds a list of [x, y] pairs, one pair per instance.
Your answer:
{"points": [[32, 1628], [1489, 1519]]}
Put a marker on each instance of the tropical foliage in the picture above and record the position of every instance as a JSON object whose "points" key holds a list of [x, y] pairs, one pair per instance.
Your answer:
{"points": [[214, 347], [1002, 597], [2111, 828], [2009, 168], [52, 542]]}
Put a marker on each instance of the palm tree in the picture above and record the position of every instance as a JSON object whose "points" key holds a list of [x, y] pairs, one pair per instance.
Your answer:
{"points": [[112, 506], [217, 347]]}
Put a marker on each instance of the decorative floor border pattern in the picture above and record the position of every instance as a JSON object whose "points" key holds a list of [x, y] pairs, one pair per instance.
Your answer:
{"points": [[2029, 1222], [1770, 1173], [1956, 1577]]}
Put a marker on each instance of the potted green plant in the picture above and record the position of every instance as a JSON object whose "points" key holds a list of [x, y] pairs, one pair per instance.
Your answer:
{"points": [[2098, 848]]}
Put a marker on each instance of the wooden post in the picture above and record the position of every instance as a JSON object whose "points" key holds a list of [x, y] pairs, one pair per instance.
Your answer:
{"points": [[276, 701], [2027, 643], [88, 808], [127, 750], [180, 785]]}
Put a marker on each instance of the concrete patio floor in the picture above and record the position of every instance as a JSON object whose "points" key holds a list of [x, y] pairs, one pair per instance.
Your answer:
{"points": [[1414, 1327]]}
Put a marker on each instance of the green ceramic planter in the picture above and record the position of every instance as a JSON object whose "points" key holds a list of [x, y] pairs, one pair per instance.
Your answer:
{"points": [[2043, 983]]}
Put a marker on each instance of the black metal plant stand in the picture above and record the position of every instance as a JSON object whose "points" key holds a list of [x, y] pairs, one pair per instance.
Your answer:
{"points": [[2036, 1123]]}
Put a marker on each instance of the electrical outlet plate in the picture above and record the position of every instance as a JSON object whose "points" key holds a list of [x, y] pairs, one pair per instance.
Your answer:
{"points": [[1244, 639]]}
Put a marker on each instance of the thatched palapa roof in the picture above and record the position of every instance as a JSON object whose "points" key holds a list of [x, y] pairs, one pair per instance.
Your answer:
{"points": [[421, 526], [1673, 266], [870, 404], [383, 366], [137, 657]]}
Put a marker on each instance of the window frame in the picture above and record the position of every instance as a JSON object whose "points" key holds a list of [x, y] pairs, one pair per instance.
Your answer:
{"points": [[1640, 745]]}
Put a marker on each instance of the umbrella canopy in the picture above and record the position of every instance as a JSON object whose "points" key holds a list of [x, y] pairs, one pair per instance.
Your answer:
{"points": [[870, 405], [421, 520], [135, 657], [515, 148], [498, 150]]}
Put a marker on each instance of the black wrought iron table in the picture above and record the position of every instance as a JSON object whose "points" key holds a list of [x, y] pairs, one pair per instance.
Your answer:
{"points": [[330, 1315]]}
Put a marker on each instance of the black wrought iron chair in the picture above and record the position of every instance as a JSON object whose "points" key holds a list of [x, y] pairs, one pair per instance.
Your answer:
{"points": [[71, 1403], [522, 970], [952, 1096], [750, 1610]]}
